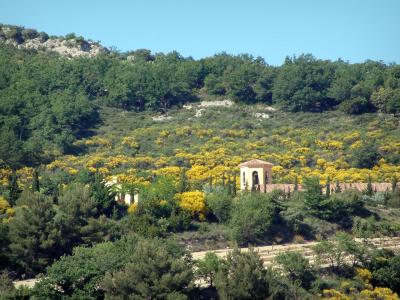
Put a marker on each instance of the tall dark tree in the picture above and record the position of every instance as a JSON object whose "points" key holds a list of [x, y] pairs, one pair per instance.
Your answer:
{"points": [[302, 84], [14, 190], [102, 195], [155, 271], [243, 276], [328, 187], [35, 238], [35, 181], [313, 197]]}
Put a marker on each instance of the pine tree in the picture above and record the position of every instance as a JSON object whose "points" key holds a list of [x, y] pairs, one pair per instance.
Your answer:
{"points": [[229, 186], [369, 191], [35, 237], [234, 185], [14, 190], [338, 189], [394, 183], [243, 276], [328, 187], [183, 182], [35, 181], [155, 271], [313, 197], [102, 196]]}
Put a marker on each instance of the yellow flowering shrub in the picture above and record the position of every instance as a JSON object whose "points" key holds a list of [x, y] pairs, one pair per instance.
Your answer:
{"points": [[351, 137], [169, 171], [130, 141], [302, 150], [5, 209], [329, 145], [4, 175], [164, 133], [132, 208], [332, 294], [378, 293], [364, 274], [193, 202], [197, 173], [183, 131], [97, 141], [356, 145]]}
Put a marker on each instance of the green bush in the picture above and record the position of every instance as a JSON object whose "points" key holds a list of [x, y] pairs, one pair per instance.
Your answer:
{"points": [[389, 275], [253, 215], [220, 203], [79, 276], [29, 34], [296, 267], [366, 156], [242, 276], [155, 270], [356, 106]]}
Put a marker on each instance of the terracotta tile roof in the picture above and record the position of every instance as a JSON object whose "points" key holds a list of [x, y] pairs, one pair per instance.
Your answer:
{"points": [[359, 186], [255, 163]]}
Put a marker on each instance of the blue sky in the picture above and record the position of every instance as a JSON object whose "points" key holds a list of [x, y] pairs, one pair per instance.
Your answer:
{"points": [[354, 30]]}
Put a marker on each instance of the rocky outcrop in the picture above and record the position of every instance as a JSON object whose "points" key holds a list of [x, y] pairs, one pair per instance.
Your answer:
{"points": [[69, 46]]}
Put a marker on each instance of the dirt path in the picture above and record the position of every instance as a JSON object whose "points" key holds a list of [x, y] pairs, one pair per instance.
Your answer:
{"points": [[268, 253]]}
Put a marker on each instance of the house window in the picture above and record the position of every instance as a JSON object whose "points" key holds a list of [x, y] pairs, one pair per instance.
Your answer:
{"points": [[255, 178]]}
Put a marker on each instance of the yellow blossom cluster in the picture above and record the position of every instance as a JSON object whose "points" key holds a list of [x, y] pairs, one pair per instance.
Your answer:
{"points": [[97, 141], [130, 141], [5, 210], [329, 144], [193, 202]]}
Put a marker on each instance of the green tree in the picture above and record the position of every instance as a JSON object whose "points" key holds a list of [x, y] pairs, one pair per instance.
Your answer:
{"points": [[340, 251], [14, 191], [75, 208], [296, 267], [6, 285], [313, 197], [356, 106], [302, 84], [4, 246], [366, 156], [35, 238], [243, 276], [208, 267], [214, 85], [338, 189], [102, 196], [183, 184], [79, 275], [369, 191], [35, 181], [328, 187], [220, 203], [394, 184], [252, 218], [154, 271], [389, 275]]}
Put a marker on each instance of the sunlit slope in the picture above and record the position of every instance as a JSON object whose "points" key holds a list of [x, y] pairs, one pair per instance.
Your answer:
{"points": [[209, 142]]}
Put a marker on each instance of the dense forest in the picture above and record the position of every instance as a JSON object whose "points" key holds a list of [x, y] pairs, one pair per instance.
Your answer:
{"points": [[69, 125], [48, 101]]}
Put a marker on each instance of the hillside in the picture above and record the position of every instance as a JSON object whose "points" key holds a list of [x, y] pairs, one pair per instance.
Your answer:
{"points": [[30, 39], [172, 130], [212, 141]]}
